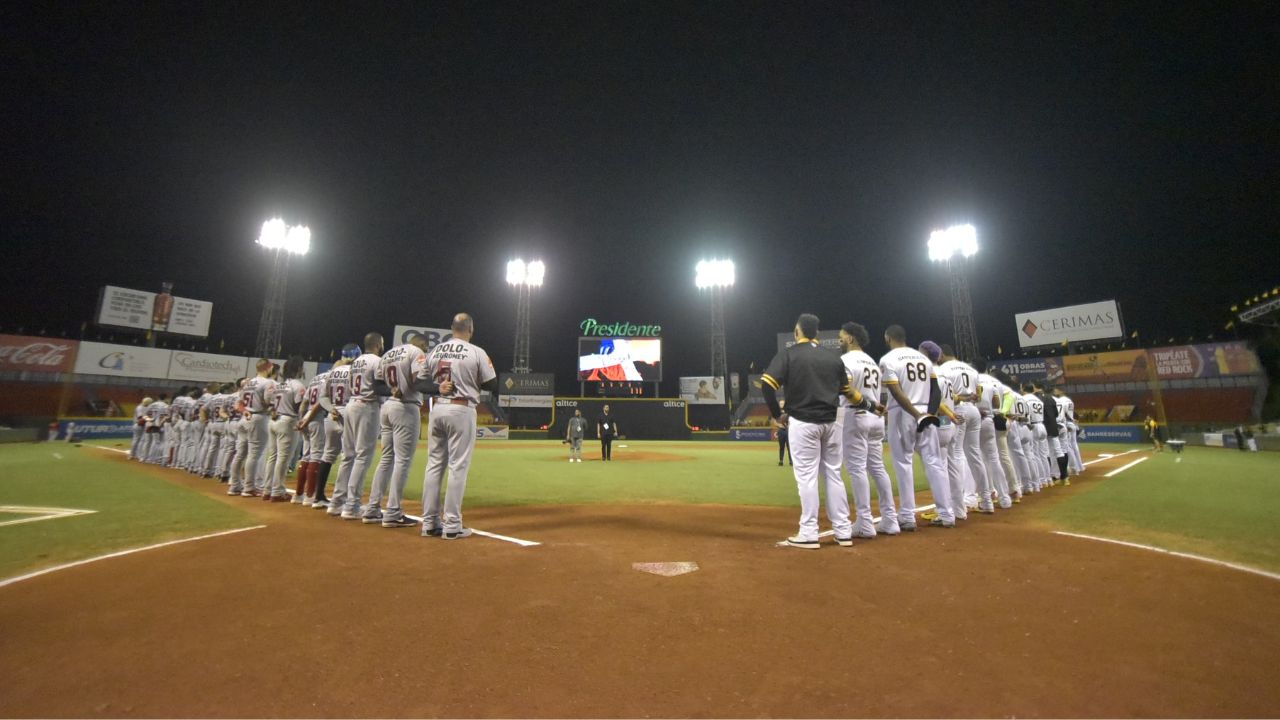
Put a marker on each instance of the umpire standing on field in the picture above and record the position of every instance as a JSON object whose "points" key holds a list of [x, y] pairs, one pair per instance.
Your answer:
{"points": [[815, 378]]}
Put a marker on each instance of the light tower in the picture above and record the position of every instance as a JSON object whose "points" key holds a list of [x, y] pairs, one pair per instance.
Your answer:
{"points": [[955, 246], [717, 276], [284, 241], [524, 276]]}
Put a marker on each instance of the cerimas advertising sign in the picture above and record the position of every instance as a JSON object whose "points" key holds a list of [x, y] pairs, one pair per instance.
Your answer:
{"points": [[1077, 323]]}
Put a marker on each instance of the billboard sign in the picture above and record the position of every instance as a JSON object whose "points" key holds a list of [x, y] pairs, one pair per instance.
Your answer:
{"points": [[122, 360], [826, 338], [526, 401], [137, 310], [435, 336], [1032, 369], [1204, 361], [702, 390], [526, 384], [1118, 366], [19, 353], [206, 367], [1076, 323]]}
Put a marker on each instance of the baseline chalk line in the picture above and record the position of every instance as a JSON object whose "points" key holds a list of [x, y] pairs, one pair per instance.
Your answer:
{"points": [[1175, 553], [1122, 468]]}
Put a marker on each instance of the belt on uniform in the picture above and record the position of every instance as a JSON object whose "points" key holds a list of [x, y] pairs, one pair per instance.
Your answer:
{"points": [[285, 415], [258, 412], [459, 401]]}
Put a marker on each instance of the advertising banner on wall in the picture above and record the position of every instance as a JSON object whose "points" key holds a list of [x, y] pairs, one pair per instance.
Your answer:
{"points": [[1076, 323], [702, 390], [137, 309], [1204, 361], [826, 338], [435, 336], [1119, 366], [526, 384], [96, 428], [122, 360], [525, 401], [206, 367], [1032, 369], [21, 353]]}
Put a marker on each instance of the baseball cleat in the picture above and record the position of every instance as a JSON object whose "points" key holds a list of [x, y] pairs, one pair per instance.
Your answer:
{"points": [[907, 527], [939, 522], [798, 542], [883, 529], [432, 532], [864, 535], [987, 510], [280, 498], [402, 522], [350, 515], [459, 534], [371, 519], [844, 542], [1066, 482]]}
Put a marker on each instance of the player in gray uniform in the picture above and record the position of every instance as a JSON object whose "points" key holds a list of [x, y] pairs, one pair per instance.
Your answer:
{"points": [[139, 429], [453, 426], [246, 472], [153, 444], [312, 431], [402, 378], [862, 436], [285, 400], [337, 388], [361, 426], [574, 433]]}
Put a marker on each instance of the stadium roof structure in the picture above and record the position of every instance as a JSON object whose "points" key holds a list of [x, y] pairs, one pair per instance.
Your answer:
{"points": [[1263, 309]]}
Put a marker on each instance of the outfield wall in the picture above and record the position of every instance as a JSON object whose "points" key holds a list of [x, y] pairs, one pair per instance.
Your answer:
{"points": [[639, 419]]}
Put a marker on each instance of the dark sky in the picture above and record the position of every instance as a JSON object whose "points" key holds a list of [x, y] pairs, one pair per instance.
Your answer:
{"points": [[1120, 151]]}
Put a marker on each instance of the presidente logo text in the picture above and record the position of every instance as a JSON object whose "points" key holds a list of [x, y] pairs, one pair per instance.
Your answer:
{"points": [[592, 328]]}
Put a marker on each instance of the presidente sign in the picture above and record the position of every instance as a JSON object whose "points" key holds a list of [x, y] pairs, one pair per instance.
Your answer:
{"points": [[1076, 323], [591, 328]]}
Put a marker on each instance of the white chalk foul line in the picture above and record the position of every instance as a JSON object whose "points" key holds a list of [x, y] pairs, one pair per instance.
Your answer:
{"points": [[114, 450], [1122, 468], [1107, 456], [495, 536], [1175, 553], [923, 508], [39, 513], [122, 553]]}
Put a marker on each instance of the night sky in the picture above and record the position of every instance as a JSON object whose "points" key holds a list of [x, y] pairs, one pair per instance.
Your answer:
{"points": [[1122, 151]]}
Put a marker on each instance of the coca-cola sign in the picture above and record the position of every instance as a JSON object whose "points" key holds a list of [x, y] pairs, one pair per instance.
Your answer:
{"points": [[19, 353]]}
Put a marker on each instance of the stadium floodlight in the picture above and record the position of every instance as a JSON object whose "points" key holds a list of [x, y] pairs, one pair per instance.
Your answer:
{"points": [[954, 246], [524, 276], [714, 273], [717, 276], [286, 241], [521, 273], [959, 240], [293, 239]]}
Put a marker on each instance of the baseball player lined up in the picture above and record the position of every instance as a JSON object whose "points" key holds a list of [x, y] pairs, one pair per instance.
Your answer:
{"points": [[815, 379], [453, 426], [360, 428], [863, 437]]}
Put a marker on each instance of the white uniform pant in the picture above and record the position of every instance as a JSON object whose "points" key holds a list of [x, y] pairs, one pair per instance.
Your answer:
{"points": [[904, 442], [1007, 442], [450, 443], [816, 453], [1041, 444], [862, 434], [1073, 450], [969, 446], [949, 446], [992, 460]]}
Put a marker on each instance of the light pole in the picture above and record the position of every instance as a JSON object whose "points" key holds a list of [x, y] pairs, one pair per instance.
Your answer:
{"points": [[284, 241], [717, 276], [524, 276], [955, 246]]}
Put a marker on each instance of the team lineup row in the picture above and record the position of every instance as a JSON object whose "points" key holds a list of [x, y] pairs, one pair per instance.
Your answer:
{"points": [[246, 433], [984, 441]]}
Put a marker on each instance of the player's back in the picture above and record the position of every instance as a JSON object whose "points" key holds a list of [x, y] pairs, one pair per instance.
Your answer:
{"points": [[1035, 408], [362, 375], [911, 371], [467, 365], [287, 396], [864, 374], [400, 366], [964, 379], [338, 386], [992, 392]]}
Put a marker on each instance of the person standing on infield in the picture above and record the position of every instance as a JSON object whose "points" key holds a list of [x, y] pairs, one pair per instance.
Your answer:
{"points": [[913, 428], [815, 378], [360, 429], [574, 433], [862, 434], [780, 434], [607, 430], [453, 426]]}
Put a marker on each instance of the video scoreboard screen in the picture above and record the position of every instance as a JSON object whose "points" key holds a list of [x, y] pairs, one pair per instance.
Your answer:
{"points": [[620, 359]]}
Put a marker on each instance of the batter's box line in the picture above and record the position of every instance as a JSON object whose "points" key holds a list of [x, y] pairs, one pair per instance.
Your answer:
{"points": [[39, 513]]}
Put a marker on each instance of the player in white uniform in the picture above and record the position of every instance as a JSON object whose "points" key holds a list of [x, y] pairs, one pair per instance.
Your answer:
{"points": [[1071, 431], [137, 447], [862, 436], [453, 426], [286, 397], [1016, 413], [361, 427], [1039, 457], [913, 427], [949, 439], [246, 472], [988, 402], [403, 378], [968, 446]]}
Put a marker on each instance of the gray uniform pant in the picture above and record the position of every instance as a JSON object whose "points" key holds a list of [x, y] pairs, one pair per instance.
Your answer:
{"points": [[575, 448], [315, 440], [362, 426], [400, 425], [862, 434], [285, 433], [136, 446], [332, 444], [449, 444], [347, 439], [248, 467]]}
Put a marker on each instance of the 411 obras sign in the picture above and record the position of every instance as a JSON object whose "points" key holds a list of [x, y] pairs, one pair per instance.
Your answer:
{"points": [[591, 328]]}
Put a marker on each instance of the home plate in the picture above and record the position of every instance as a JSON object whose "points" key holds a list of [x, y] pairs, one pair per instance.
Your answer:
{"points": [[666, 569]]}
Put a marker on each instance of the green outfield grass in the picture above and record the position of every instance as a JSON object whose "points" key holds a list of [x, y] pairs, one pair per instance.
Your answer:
{"points": [[1215, 502], [133, 508]]}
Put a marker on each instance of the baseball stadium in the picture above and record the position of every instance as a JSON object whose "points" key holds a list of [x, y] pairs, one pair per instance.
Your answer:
{"points": [[676, 360]]}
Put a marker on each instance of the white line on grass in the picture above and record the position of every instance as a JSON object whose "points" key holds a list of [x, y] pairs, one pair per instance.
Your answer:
{"points": [[39, 513], [829, 533], [1121, 469], [122, 553], [114, 450], [1105, 456], [1175, 553], [57, 456]]}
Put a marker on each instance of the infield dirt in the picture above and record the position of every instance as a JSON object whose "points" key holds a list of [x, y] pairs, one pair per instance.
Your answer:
{"points": [[316, 617]]}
